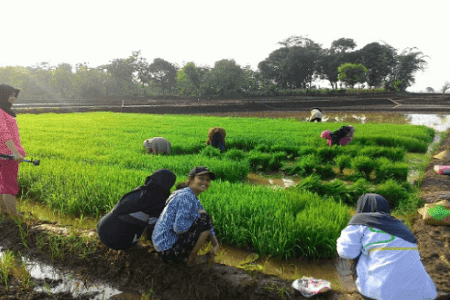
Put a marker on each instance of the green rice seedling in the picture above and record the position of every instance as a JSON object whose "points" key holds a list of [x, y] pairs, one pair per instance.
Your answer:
{"points": [[357, 189], [394, 154], [291, 150], [306, 165], [276, 160], [235, 154], [7, 261], [337, 189], [397, 171], [263, 148], [342, 162], [210, 151], [306, 150], [364, 165], [313, 184], [325, 171], [394, 192], [327, 153], [259, 160], [351, 150]]}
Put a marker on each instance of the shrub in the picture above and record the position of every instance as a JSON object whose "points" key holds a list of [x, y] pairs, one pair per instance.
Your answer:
{"points": [[364, 165], [394, 192], [235, 154], [342, 162]]}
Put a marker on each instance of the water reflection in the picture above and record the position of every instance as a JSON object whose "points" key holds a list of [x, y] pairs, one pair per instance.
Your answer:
{"points": [[439, 122], [50, 280]]}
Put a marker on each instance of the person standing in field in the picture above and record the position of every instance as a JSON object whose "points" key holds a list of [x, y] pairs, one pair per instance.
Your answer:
{"points": [[386, 261], [184, 225], [157, 145], [137, 210], [316, 115], [9, 144], [216, 138]]}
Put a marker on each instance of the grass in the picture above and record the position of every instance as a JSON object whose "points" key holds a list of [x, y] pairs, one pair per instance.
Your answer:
{"points": [[88, 161]]}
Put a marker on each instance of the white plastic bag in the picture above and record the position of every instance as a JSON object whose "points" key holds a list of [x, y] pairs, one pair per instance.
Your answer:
{"points": [[309, 286]]}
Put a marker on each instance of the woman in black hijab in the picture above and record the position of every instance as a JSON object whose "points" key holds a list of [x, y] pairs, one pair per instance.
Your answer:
{"points": [[386, 261], [9, 144], [124, 225]]}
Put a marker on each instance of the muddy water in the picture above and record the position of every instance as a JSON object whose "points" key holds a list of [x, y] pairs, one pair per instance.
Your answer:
{"points": [[50, 280]]}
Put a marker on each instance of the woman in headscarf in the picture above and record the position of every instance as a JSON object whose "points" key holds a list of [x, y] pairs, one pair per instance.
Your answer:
{"points": [[216, 137], [340, 137], [9, 144], [157, 145], [316, 115], [386, 262], [124, 225]]}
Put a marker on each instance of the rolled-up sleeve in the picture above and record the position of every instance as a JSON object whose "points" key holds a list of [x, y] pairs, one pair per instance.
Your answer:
{"points": [[349, 243], [5, 130]]}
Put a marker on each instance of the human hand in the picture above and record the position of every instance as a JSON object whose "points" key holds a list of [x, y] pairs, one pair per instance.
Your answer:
{"points": [[17, 157]]}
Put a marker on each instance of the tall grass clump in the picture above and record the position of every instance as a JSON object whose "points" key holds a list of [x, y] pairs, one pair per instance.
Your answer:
{"points": [[342, 162]]}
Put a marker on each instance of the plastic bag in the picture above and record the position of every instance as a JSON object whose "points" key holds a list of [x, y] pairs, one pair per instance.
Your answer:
{"points": [[309, 286]]}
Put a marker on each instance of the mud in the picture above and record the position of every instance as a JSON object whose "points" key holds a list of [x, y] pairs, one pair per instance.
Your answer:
{"points": [[139, 270]]}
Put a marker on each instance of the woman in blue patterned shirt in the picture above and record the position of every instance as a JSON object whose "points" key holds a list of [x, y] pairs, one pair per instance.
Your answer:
{"points": [[184, 225]]}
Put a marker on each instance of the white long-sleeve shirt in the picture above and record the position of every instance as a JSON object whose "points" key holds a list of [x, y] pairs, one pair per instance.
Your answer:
{"points": [[389, 267]]}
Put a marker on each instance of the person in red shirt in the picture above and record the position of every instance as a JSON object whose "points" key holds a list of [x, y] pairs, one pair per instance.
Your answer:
{"points": [[9, 144]]}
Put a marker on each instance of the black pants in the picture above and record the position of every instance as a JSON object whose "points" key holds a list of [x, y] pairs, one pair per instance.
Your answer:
{"points": [[182, 248]]}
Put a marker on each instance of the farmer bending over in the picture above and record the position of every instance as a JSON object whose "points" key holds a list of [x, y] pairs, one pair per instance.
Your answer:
{"points": [[184, 225], [316, 115], [386, 261], [9, 144], [340, 137], [124, 225], [157, 145], [216, 138]]}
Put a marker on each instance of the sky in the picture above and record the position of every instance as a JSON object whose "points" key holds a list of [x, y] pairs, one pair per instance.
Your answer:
{"points": [[98, 31]]}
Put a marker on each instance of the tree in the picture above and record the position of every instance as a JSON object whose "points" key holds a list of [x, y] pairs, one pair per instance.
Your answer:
{"points": [[90, 82], [120, 76], [409, 61], [163, 74], [226, 79], [352, 73], [379, 60], [445, 87], [190, 79], [335, 56]]}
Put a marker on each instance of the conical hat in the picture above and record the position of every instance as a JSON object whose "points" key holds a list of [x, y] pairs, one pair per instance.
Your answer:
{"points": [[443, 155]]}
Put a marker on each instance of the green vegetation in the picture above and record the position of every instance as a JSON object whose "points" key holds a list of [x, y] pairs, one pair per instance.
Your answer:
{"points": [[88, 161]]}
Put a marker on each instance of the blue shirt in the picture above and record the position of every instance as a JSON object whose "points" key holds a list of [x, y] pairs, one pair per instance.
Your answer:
{"points": [[177, 217]]}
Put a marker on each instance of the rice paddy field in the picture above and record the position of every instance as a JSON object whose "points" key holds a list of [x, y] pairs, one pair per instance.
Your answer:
{"points": [[89, 160]]}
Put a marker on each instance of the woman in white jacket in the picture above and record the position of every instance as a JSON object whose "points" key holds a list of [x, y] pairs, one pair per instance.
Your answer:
{"points": [[386, 262]]}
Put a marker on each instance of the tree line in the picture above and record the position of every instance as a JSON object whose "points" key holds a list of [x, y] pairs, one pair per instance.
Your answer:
{"points": [[299, 63]]}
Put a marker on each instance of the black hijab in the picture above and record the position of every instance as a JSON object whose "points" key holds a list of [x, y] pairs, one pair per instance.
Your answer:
{"points": [[373, 210], [153, 198], [7, 91]]}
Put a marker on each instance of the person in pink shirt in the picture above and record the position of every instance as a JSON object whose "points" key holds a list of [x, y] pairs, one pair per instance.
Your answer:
{"points": [[340, 137], [9, 144]]}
